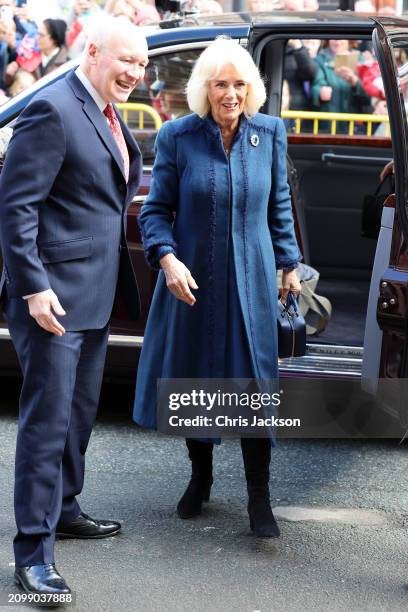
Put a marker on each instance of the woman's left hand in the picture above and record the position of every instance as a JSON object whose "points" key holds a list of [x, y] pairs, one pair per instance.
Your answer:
{"points": [[290, 282]]}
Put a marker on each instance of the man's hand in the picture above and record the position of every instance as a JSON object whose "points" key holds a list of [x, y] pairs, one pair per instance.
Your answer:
{"points": [[12, 69], [178, 279], [290, 282], [41, 307]]}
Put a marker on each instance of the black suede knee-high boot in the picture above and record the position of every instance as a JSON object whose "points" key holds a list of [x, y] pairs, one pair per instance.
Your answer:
{"points": [[256, 453], [198, 489]]}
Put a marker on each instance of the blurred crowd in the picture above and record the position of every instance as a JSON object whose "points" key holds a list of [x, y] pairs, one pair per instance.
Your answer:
{"points": [[38, 36], [336, 76]]}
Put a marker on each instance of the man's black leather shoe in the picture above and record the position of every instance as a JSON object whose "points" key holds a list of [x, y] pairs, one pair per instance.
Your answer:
{"points": [[85, 527], [42, 579]]}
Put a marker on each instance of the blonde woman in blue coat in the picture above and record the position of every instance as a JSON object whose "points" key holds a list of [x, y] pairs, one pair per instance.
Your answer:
{"points": [[218, 222]]}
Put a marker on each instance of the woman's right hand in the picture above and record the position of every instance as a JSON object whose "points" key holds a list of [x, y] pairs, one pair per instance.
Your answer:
{"points": [[178, 279]]}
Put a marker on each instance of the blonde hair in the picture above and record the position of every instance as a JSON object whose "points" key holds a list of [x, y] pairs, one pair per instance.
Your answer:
{"points": [[218, 54]]}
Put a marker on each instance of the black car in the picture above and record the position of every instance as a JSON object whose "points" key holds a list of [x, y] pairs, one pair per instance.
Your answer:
{"points": [[365, 278]]}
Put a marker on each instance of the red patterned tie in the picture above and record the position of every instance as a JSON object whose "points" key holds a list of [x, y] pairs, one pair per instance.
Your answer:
{"points": [[118, 136]]}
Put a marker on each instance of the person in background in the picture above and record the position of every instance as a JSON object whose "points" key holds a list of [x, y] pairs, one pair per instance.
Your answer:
{"points": [[388, 10], [8, 51], [337, 89], [258, 6], [299, 71], [171, 102], [22, 80], [122, 8], [51, 41], [146, 14], [301, 5], [137, 11], [380, 108], [80, 18], [47, 9], [365, 6], [285, 96], [25, 24], [209, 7], [310, 5], [312, 45], [285, 105]]}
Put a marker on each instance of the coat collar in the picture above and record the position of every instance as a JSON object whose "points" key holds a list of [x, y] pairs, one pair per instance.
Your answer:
{"points": [[93, 113], [212, 126]]}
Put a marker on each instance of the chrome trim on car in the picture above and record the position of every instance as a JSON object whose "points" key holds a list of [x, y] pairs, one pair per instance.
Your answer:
{"points": [[335, 350], [139, 199], [125, 341], [114, 339], [180, 47], [185, 46], [335, 158], [327, 360], [4, 334]]}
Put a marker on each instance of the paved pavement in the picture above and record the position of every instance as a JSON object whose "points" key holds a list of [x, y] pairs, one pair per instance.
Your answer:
{"points": [[330, 560]]}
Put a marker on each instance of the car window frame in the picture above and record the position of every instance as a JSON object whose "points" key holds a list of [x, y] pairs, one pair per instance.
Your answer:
{"points": [[382, 42]]}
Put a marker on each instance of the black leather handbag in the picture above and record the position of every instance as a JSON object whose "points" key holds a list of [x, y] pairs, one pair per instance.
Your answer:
{"points": [[291, 329]]}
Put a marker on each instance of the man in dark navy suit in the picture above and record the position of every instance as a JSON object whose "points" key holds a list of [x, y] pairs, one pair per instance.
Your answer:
{"points": [[71, 171]]}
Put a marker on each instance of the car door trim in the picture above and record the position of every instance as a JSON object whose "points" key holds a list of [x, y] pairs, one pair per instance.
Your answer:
{"points": [[339, 361], [186, 46], [335, 158]]}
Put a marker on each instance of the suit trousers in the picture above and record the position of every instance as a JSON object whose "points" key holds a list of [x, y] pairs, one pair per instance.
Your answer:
{"points": [[58, 405]]}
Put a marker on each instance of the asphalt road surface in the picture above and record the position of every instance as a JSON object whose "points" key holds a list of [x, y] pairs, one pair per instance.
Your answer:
{"points": [[343, 508]]}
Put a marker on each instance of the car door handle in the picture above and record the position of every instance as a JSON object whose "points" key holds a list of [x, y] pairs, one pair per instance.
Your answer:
{"points": [[358, 160]]}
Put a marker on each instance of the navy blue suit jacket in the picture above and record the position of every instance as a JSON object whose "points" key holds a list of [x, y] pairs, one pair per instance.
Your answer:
{"points": [[63, 204]]}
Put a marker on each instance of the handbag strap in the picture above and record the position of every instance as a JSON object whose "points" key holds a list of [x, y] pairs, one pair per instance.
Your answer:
{"points": [[291, 305], [318, 304]]}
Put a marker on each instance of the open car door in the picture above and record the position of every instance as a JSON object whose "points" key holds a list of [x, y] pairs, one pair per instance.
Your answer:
{"points": [[386, 341]]}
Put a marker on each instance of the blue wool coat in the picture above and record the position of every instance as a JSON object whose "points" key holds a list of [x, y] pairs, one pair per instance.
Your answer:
{"points": [[230, 222]]}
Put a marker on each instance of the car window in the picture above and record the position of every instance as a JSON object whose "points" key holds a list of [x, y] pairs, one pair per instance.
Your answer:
{"points": [[333, 87], [163, 92]]}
